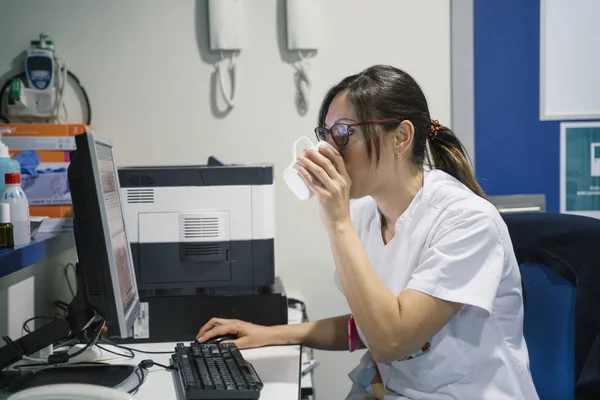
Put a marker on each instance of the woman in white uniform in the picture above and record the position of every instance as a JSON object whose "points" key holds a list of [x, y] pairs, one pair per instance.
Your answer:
{"points": [[424, 260]]}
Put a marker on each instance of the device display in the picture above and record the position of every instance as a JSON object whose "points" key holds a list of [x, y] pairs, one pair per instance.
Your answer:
{"points": [[39, 63], [116, 225]]}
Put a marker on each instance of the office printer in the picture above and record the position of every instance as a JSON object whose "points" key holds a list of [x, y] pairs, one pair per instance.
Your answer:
{"points": [[202, 241]]}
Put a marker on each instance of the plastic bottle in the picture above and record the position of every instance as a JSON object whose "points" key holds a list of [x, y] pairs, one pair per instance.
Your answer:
{"points": [[19, 208], [7, 164], [7, 238]]}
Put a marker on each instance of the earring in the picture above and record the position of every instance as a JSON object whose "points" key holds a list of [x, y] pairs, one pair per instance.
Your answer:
{"points": [[398, 156]]}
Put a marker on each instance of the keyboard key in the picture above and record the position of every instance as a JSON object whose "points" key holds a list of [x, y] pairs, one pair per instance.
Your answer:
{"points": [[235, 374], [205, 377], [196, 351]]}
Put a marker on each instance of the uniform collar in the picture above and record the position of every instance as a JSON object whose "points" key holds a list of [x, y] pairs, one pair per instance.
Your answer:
{"points": [[409, 212]]}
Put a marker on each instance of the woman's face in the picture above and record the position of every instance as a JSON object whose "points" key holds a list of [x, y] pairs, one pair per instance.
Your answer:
{"points": [[366, 176]]}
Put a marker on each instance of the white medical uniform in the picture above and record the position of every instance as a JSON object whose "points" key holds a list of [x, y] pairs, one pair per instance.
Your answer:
{"points": [[453, 245]]}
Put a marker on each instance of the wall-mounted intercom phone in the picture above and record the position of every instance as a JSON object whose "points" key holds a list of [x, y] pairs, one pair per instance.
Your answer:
{"points": [[226, 31], [303, 35], [303, 24]]}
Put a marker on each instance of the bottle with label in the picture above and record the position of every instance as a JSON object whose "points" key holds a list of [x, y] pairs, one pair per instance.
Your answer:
{"points": [[7, 238], [19, 208], [7, 164]]}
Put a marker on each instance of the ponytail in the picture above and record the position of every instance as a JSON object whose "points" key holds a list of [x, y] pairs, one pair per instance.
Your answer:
{"points": [[449, 155]]}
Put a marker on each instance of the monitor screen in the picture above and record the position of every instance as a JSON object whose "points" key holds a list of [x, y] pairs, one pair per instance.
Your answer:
{"points": [[104, 253], [116, 226]]}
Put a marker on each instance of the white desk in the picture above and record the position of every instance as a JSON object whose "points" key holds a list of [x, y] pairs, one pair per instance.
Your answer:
{"points": [[277, 367]]}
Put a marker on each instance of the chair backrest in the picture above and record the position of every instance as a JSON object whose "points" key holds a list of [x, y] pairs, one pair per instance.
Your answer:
{"points": [[549, 329]]}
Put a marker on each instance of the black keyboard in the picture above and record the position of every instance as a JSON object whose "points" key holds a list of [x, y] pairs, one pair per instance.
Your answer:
{"points": [[215, 371]]}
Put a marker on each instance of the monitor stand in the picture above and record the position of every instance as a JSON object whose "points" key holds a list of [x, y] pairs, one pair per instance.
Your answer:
{"points": [[81, 369]]}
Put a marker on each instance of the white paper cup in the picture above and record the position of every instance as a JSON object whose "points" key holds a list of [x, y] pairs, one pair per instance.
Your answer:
{"points": [[291, 175]]}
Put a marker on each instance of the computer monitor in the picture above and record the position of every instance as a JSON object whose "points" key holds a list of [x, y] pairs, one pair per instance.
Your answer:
{"points": [[104, 254]]}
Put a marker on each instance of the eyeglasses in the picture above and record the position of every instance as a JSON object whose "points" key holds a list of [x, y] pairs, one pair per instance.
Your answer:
{"points": [[341, 131]]}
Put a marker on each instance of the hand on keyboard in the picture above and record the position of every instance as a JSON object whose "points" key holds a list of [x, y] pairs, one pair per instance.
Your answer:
{"points": [[248, 335]]}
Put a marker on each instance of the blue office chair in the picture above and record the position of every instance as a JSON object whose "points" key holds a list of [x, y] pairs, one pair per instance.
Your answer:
{"points": [[549, 328], [559, 258]]}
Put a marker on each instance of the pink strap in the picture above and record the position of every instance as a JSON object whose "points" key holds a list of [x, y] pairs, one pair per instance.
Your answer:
{"points": [[353, 337]]}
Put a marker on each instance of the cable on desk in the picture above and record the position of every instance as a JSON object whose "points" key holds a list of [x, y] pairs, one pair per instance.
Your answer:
{"points": [[90, 343], [107, 341], [130, 355], [140, 382], [145, 365], [66, 343]]}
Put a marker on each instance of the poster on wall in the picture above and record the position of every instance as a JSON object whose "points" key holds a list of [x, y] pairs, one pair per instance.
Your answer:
{"points": [[580, 168]]}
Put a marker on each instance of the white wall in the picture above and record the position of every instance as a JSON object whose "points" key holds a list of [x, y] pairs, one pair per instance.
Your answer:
{"points": [[150, 78]]}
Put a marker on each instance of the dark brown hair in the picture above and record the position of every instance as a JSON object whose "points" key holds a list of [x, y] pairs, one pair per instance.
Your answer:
{"points": [[384, 92]]}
